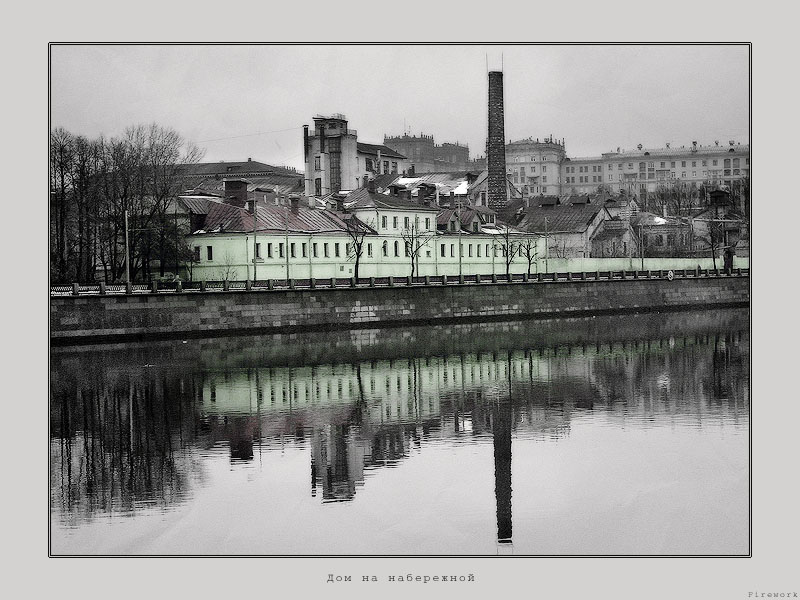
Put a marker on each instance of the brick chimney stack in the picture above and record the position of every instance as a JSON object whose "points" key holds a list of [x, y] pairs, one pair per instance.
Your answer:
{"points": [[236, 192], [496, 143]]}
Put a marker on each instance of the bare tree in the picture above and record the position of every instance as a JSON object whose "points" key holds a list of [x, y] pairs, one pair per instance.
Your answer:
{"points": [[415, 239], [509, 246], [228, 268], [93, 183], [529, 249], [357, 231]]}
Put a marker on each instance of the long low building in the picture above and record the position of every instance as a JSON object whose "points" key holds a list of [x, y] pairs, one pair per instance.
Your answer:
{"points": [[363, 234]]}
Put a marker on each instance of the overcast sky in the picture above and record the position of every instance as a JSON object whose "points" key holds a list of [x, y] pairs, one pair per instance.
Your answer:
{"points": [[252, 101]]}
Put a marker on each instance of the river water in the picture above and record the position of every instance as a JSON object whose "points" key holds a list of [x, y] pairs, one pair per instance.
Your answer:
{"points": [[612, 435]]}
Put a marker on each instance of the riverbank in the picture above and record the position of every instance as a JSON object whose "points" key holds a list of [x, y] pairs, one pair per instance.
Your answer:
{"points": [[101, 318]]}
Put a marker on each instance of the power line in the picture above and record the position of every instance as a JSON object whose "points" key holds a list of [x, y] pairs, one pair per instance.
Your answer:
{"points": [[235, 137]]}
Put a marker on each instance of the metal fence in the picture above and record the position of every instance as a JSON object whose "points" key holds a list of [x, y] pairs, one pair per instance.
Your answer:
{"points": [[190, 287]]}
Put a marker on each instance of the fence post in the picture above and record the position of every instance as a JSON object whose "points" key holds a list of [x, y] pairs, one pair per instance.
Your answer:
{"points": [[461, 279], [739, 271], [444, 279], [154, 286], [226, 285], [128, 288], [494, 277], [569, 276], [391, 280], [312, 283], [539, 277], [270, 284], [75, 289], [427, 279], [333, 282], [371, 282], [202, 286], [410, 280], [291, 283], [178, 286], [477, 278], [597, 275], [352, 282], [102, 288], [525, 277], [248, 285]]}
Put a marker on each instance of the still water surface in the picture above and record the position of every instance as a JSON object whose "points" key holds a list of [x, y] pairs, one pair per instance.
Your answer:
{"points": [[608, 435]]}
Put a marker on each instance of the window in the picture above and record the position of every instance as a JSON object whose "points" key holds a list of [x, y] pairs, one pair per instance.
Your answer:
{"points": [[735, 162], [385, 166], [683, 174], [258, 250], [672, 164], [704, 163], [318, 187], [336, 249], [452, 250], [694, 173], [544, 179], [479, 250], [714, 162], [369, 249], [427, 223], [544, 168], [385, 248], [209, 253], [619, 167], [280, 249], [316, 163], [394, 222], [291, 250], [469, 250], [196, 254], [383, 222], [347, 249], [305, 250], [683, 163], [442, 250], [314, 249], [544, 189], [269, 250], [487, 250], [405, 222], [407, 246], [325, 250], [396, 248], [663, 164], [394, 167]]}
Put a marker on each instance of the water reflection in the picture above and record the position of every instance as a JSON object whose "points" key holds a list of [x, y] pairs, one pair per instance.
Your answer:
{"points": [[133, 427]]}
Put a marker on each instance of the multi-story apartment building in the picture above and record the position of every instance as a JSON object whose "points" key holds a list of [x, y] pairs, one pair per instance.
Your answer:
{"points": [[425, 156], [335, 160], [535, 166], [647, 169]]}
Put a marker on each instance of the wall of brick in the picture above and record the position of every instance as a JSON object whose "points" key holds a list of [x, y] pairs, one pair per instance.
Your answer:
{"points": [[173, 314], [496, 143]]}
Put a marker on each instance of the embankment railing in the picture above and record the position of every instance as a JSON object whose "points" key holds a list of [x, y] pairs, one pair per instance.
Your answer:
{"points": [[189, 287]]}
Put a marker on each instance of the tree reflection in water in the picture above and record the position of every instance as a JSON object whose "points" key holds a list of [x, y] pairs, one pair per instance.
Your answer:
{"points": [[130, 426]]}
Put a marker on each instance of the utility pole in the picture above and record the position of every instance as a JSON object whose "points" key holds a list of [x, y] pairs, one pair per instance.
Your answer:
{"points": [[127, 252], [286, 242], [546, 246], [459, 236], [255, 245]]}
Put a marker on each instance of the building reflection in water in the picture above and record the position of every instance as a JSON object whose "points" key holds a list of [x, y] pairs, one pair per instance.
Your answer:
{"points": [[126, 437]]}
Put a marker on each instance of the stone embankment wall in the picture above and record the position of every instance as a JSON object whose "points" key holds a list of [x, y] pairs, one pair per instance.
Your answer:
{"points": [[171, 315]]}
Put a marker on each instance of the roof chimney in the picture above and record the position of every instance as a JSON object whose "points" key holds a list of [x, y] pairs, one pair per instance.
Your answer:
{"points": [[236, 192], [371, 186], [294, 201]]}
